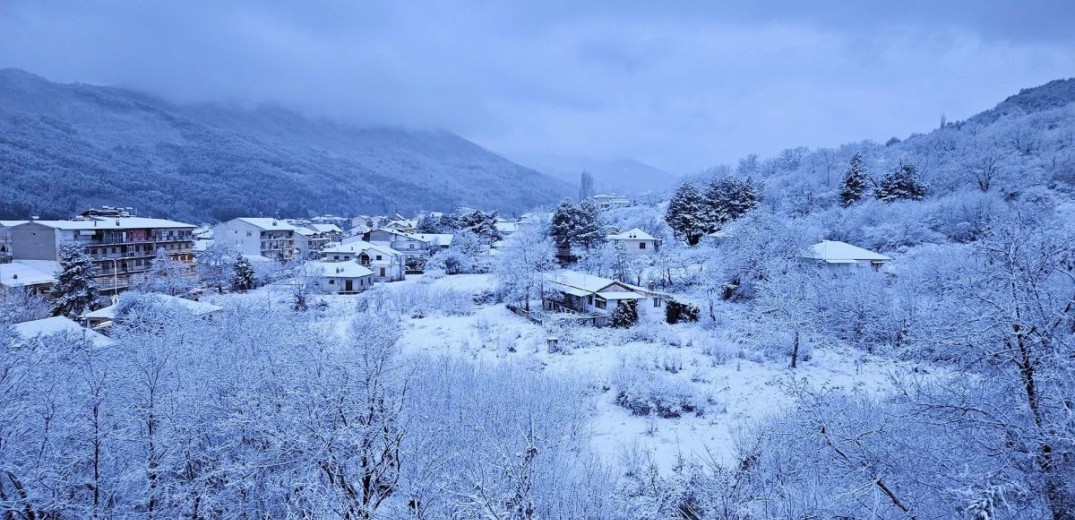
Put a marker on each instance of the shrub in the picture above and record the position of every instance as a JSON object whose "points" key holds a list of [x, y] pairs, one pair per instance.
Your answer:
{"points": [[676, 312], [625, 316], [646, 392]]}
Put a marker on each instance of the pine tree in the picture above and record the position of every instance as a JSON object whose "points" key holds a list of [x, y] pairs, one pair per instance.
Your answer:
{"points": [[902, 184], [563, 224], [685, 214], [855, 182], [725, 200], [588, 233], [244, 275], [74, 290], [625, 316]]}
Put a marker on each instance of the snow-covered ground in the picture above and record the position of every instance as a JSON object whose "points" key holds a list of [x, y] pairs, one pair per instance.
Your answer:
{"points": [[739, 389]]}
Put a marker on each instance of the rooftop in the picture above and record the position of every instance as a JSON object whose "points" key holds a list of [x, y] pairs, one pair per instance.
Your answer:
{"points": [[634, 234], [835, 252], [59, 325]]}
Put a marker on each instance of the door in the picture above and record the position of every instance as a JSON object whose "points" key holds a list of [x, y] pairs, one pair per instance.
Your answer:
{"points": [[348, 286]]}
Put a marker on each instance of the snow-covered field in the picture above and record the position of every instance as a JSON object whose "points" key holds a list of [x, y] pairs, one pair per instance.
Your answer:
{"points": [[738, 389]]}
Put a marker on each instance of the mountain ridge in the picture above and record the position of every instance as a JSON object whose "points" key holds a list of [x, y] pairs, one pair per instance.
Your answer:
{"points": [[65, 147]]}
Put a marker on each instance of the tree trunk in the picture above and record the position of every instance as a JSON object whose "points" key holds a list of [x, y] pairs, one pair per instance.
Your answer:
{"points": [[795, 350]]}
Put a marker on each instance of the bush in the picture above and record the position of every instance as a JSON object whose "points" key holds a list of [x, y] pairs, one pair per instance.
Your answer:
{"points": [[625, 316], [646, 392], [676, 312], [415, 301]]}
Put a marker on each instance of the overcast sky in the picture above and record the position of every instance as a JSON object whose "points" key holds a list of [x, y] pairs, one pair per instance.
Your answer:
{"points": [[680, 85]]}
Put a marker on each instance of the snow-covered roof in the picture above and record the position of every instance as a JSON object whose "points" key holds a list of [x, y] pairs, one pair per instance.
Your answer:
{"points": [[12, 223], [506, 227], [325, 228], [59, 325], [337, 269], [306, 232], [196, 308], [358, 247], [440, 239], [268, 224], [621, 295], [114, 223], [634, 234], [835, 252], [21, 273]]}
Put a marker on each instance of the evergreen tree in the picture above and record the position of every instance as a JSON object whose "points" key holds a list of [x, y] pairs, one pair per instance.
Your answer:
{"points": [[727, 199], [902, 184], [563, 224], [588, 232], [74, 290], [428, 224], [585, 186], [685, 214], [481, 224], [244, 275], [625, 316], [855, 182]]}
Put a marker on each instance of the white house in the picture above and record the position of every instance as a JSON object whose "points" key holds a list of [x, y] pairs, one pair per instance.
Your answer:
{"points": [[339, 277], [34, 275], [635, 242], [409, 245], [842, 254], [435, 241], [41, 330], [267, 237], [598, 297], [611, 200], [387, 264]]}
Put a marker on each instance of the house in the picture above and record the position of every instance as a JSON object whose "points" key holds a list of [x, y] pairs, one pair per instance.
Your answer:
{"points": [[309, 242], [339, 277], [268, 237], [597, 298], [635, 242], [611, 200], [106, 316], [435, 241], [387, 264], [5, 239], [36, 276], [842, 254], [41, 330], [331, 231], [506, 227], [122, 248], [407, 244]]}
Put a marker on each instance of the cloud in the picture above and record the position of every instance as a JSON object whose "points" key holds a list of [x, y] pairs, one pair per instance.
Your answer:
{"points": [[682, 86]]}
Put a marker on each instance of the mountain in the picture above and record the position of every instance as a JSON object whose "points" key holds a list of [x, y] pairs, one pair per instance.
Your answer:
{"points": [[622, 175], [67, 147], [1054, 94]]}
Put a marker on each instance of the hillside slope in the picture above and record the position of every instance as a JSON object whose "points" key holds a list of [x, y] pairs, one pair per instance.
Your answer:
{"points": [[67, 147], [623, 175]]}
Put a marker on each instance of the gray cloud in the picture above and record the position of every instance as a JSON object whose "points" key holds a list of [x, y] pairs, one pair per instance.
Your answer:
{"points": [[680, 85]]}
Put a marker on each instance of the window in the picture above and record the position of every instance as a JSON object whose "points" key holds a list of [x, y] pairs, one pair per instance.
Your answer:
{"points": [[589, 300], [641, 245], [332, 282], [656, 302], [378, 257], [602, 304]]}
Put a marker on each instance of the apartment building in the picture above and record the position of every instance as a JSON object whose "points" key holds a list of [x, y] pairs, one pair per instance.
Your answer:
{"points": [[268, 237], [122, 248], [5, 239]]}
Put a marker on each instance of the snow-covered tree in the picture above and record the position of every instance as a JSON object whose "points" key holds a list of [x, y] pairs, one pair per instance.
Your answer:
{"points": [[727, 199], [585, 186], [75, 290], [216, 266], [520, 269], [625, 316], [243, 276], [167, 275], [902, 184], [856, 182], [686, 214]]}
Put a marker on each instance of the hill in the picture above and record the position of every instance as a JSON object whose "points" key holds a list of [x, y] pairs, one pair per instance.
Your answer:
{"points": [[66, 147]]}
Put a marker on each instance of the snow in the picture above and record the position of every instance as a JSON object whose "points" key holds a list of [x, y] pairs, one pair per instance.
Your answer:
{"points": [[59, 325], [740, 389], [835, 252], [268, 224], [21, 273], [197, 308], [634, 234], [114, 223]]}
